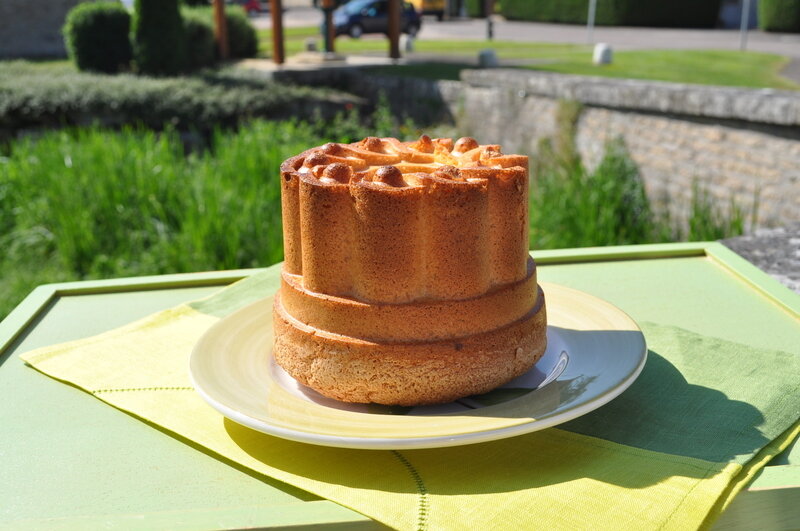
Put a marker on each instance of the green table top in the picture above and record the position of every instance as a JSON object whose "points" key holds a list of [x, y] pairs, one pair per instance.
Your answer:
{"points": [[70, 461]]}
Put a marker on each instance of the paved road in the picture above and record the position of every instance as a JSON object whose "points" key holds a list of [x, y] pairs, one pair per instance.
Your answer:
{"points": [[299, 13]]}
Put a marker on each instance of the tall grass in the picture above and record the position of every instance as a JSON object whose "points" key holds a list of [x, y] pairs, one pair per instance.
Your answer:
{"points": [[91, 203], [573, 207]]}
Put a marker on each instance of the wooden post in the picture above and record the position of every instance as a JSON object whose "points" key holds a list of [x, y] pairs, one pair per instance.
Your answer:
{"points": [[327, 26], [221, 29], [394, 7], [276, 12]]}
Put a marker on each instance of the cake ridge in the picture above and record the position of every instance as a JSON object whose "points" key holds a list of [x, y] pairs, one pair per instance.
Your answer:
{"points": [[357, 226]]}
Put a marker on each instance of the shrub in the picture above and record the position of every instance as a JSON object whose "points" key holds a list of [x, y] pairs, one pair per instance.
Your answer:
{"points": [[475, 8], [242, 36], [96, 36], [779, 15], [159, 44], [676, 13], [201, 47], [33, 97]]}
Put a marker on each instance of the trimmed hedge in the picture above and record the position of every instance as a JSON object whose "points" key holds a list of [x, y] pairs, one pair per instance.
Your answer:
{"points": [[201, 47], [159, 44], [242, 36], [779, 15], [96, 37], [32, 96], [673, 13], [475, 8]]}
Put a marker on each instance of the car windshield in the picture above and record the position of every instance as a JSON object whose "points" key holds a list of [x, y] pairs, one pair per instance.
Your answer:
{"points": [[356, 6]]}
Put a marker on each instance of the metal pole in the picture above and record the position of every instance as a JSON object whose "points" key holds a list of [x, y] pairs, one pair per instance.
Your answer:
{"points": [[488, 6], [276, 12], [590, 20], [394, 7], [327, 25], [221, 29], [745, 25]]}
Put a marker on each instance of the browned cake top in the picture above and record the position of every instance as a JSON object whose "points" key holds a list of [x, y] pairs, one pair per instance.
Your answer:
{"points": [[392, 163], [395, 222]]}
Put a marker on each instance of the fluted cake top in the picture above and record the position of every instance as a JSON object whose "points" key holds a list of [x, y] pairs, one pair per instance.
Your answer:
{"points": [[389, 162], [396, 222]]}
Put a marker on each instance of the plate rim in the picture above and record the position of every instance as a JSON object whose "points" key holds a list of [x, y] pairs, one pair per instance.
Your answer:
{"points": [[437, 441]]}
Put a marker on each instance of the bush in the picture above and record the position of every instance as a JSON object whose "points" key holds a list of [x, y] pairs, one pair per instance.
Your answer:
{"points": [[96, 36], [779, 15], [201, 47], [675, 13], [159, 44], [33, 97], [475, 8], [242, 36]]}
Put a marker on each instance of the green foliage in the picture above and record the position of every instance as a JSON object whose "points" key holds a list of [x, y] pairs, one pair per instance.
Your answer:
{"points": [[242, 36], [572, 207], [707, 221], [676, 13], [37, 97], [475, 8], [201, 47], [779, 15], [96, 36], [92, 203], [159, 44]]}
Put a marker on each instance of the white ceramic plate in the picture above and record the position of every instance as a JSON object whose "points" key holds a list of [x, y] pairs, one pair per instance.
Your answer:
{"points": [[594, 352]]}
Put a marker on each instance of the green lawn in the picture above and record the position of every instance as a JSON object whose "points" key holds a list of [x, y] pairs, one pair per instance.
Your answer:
{"points": [[709, 67]]}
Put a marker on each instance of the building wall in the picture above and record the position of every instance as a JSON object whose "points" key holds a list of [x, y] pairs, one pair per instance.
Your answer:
{"points": [[32, 28]]}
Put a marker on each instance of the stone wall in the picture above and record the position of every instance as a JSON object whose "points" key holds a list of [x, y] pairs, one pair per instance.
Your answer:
{"points": [[32, 28], [738, 144]]}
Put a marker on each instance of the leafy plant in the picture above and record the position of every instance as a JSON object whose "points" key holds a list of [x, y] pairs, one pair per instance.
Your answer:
{"points": [[677, 13], [242, 35], [201, 47], [53, 97], [96, 36], [159, 44], [779, 15]]}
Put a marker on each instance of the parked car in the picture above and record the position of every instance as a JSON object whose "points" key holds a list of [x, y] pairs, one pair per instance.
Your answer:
{"points": [[251, 7], [358, 17], [430, 7], [336, 3], [255, 7]]}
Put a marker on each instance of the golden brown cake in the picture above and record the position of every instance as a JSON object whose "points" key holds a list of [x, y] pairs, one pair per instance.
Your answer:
{"points": [[407, 278]]}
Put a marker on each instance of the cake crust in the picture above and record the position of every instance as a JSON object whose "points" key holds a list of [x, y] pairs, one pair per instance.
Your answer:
{"points": [[407, 374], [407, 279]]}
